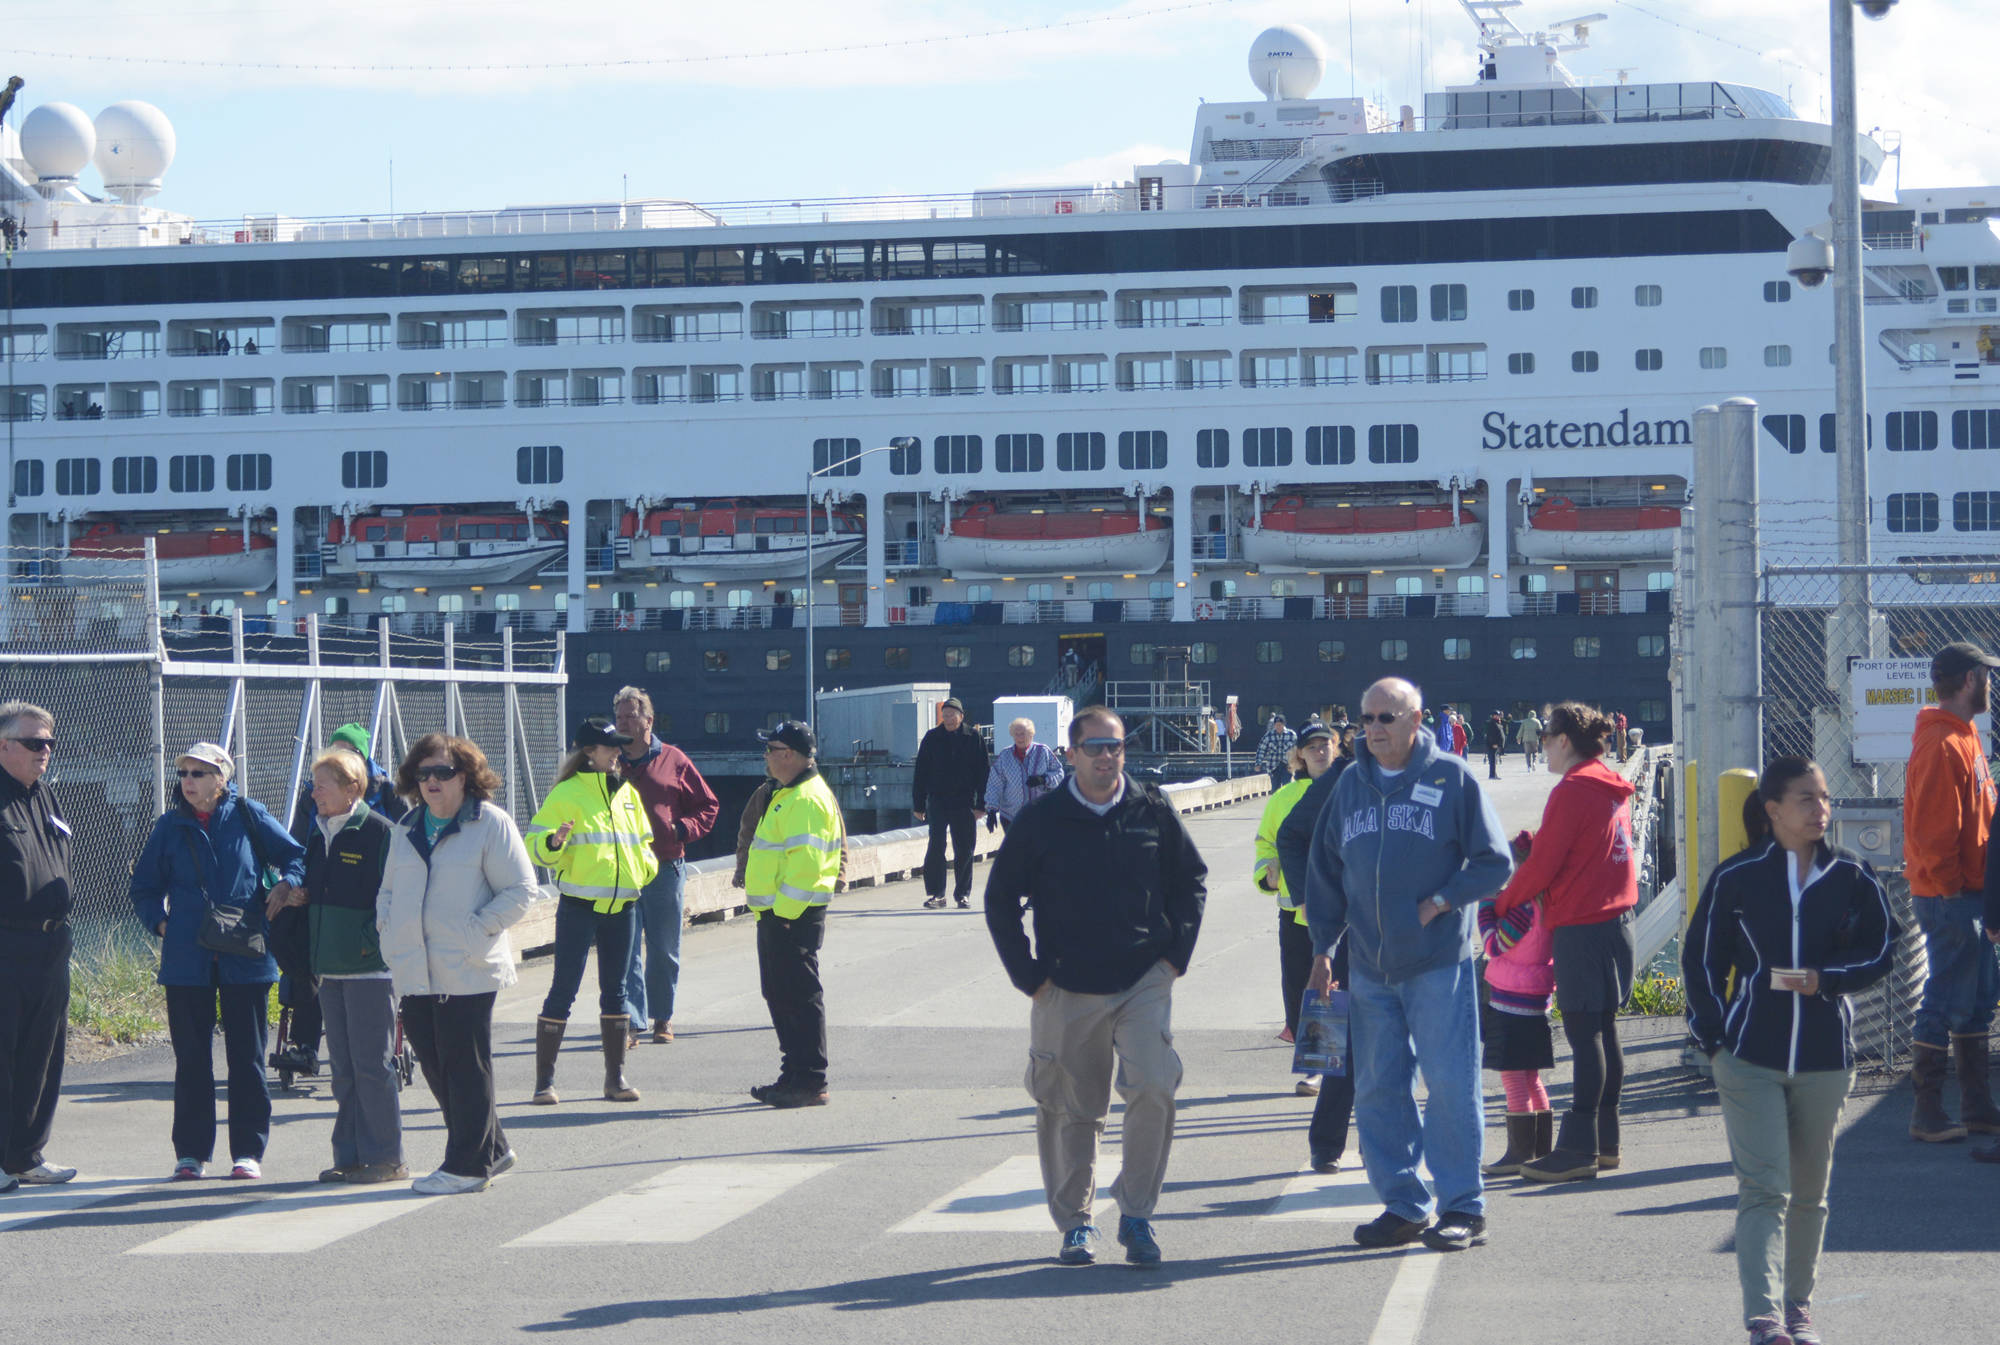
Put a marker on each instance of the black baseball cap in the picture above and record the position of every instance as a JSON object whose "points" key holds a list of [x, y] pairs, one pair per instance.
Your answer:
{"points": [[1312, 731], [596, 731], [1959, 657], [791, 733], [953, 703]]}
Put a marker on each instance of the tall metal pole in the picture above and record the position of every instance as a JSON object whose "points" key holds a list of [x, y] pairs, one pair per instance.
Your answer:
{"points": [[812, 682], [1849, 634]]}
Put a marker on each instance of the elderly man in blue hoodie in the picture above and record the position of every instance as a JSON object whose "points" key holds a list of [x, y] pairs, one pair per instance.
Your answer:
{"points": [[1405, 850]]}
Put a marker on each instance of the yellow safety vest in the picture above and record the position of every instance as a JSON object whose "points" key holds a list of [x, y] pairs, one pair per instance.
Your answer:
{"points": [[795, 855], [1268, 873], [609, 854]]}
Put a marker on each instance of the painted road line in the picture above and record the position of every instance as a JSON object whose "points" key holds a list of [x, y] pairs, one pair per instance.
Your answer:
{"points": [[28, 1204], [1409, 1294], [1334, 1197], [1007, 1199], [289, 1222], [683, 1203]]}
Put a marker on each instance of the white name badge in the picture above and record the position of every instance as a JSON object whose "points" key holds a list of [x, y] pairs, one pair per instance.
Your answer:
{"points": [[1428, 795]]}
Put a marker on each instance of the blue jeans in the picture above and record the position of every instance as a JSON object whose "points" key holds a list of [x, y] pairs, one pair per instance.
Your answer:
{"points": [[1437, 1013], [191, 1011], [1964, 977], [651, 991], [578, 926]]}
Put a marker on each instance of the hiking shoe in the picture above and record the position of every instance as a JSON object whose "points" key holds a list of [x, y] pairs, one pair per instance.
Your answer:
{"points": [[1325, 1160], [442, 1183], [1076, 1248], [763, 1091], [1768, 1331], [965, 903], [1455, 1232], [663, 1032], [787, 1097], [245, 1170], [1136, 1236], [189, 1170], [45, 1174], [371, 1174], [935, 903], [1798, 1324], [330, 1176], [1307, 1087], [1388, 1230]]}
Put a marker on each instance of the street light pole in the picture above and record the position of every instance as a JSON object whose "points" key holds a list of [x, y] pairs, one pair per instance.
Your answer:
{"points": [[812, 673]]}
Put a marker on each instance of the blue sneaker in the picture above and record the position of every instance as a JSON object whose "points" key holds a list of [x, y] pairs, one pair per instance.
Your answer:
{"points": [[1141, 1249], [1076, 1248]]}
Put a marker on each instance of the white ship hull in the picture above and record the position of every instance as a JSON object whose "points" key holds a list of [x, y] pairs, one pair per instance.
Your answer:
{"points": [[245, 572], [1284, 549], [1557, 544], [998, 557]]}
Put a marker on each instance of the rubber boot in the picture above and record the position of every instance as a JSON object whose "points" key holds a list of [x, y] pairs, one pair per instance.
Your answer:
{"points": [[1968, 1051], [615, 1088], [1607, 1138], [1575, 1155], [548, 1041], [1928, 1120], [1545, 1133], [1520, 1145]]}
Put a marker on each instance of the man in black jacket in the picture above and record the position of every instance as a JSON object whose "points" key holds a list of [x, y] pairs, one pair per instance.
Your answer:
{"points": [[949, 789], [34, 947], [1117, 887]]}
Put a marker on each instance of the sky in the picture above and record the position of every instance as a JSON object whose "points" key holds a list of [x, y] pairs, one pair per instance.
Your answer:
{"points": [[372, 105]]}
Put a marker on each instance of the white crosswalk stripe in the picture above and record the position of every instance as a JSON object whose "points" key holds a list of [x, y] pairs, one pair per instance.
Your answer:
{"points": [[289, 1222], [32, 1203], [1332, 1197], [1006, 1199], [686, 1202]]}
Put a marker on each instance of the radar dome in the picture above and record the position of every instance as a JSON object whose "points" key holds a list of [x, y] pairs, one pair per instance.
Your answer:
{"points": [[57, 140], [1287, 62], [135, 145]]}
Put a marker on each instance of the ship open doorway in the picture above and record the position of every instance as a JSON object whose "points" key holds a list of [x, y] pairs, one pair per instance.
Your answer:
{"points": [[1080, 661]]}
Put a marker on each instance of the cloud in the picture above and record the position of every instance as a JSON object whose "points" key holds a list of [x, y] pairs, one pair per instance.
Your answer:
{"points": [[1113, 167]]}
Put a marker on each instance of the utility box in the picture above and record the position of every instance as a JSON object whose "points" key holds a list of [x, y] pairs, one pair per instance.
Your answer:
{"points": [[878, 723], [1051, 716], [1870, 828]]}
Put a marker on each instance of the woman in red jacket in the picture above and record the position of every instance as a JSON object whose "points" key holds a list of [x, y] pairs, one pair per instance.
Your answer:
{"points": [[1583, 866]]}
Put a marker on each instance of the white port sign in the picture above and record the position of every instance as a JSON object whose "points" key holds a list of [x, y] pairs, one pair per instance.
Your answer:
{"points": [[1888, 692]]}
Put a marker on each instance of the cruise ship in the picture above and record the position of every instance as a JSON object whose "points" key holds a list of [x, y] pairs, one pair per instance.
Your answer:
{"points": [[1351, 391]]}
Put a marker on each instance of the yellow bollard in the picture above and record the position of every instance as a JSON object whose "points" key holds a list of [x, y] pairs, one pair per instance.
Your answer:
{"points": [[1731, 788]]}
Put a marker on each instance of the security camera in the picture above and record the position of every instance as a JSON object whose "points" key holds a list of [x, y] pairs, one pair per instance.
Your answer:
{"points": [[1876, 9], [1810, 258]]}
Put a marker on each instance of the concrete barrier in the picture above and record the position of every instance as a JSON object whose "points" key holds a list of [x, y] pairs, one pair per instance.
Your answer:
{"points": [[883, 857]]}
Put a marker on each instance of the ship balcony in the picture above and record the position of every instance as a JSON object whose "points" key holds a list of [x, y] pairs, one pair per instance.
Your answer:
{"points": [[1624, 602], [1214, 546]]}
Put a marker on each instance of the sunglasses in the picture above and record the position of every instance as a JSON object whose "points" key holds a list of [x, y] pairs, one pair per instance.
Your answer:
{"points": [[38, 744], [1383, 719], [1102, 747], [438, 773], [193, 775]]}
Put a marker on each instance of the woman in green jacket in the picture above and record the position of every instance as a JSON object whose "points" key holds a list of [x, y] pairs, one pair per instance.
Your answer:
{"points": [[593, 831]]}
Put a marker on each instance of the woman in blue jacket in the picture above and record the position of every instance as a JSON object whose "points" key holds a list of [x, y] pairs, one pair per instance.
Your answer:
{"points": [[1797, 925], [211, 848]]}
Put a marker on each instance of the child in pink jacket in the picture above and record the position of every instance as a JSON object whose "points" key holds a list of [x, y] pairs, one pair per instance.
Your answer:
{"points": [[1520, 978]]}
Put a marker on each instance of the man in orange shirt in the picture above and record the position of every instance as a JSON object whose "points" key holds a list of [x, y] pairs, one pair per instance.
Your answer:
{"points": [[1948, 803]]}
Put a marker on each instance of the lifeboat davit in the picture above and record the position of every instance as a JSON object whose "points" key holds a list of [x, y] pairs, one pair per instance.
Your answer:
{"points": [[1295, 536], [985, 543], [188, 558], [429, 545], [1565, 530], [727, 540]]}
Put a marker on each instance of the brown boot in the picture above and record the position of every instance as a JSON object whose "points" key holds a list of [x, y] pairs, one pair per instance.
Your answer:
{"points": [[548, 1041], [1928, 1120], [1968, 1051], [1520, 1145], [615, 1087], [1545, 1133]]}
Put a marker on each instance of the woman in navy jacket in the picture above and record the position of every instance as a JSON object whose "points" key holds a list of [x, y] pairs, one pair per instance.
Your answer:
{"points": [[212, 847], [1798, 925]]}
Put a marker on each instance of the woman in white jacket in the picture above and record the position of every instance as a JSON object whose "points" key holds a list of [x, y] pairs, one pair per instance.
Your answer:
{"points": [[1021, 775], [458, 876]]}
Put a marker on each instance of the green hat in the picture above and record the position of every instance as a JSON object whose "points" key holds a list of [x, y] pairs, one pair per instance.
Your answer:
{"points": [[350, 735]]}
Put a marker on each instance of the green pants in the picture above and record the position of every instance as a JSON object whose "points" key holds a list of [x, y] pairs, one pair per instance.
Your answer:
{"points": [[1781, 1143]]}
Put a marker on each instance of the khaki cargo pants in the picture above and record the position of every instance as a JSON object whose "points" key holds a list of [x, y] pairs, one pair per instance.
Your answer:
{"points": [[1073, 1042]]}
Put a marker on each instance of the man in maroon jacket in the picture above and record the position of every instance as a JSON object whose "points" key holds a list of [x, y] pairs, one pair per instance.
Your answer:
{"points": [[683, 810]]}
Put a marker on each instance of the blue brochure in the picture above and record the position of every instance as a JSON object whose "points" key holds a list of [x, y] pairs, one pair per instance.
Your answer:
{"points": [[1320, 1045]]}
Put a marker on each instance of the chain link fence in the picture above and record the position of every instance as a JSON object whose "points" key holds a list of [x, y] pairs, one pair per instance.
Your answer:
{"points": [[82, 640], [1809, 646]]}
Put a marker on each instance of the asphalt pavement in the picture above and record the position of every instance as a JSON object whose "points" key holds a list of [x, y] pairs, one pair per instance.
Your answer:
{"points": [[910, 1209]]}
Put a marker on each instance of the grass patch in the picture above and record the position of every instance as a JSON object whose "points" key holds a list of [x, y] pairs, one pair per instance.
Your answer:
{"points": [[113, 993], [1658, 996]]}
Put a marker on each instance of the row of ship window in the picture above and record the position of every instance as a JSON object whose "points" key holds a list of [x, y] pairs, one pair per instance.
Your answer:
{"points": [[1971, 511], [1138, 450], [1456, 649], [930, 316], [1903, 431]]}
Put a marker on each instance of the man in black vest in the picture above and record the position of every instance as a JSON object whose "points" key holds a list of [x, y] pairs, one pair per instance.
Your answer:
{"points": [[949, 789], [34, 947]]}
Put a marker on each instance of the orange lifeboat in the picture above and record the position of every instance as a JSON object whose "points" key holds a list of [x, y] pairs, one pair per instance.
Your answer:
{"points": [[986, 542], [189, 558], [1292, 535], [1564, 530]]}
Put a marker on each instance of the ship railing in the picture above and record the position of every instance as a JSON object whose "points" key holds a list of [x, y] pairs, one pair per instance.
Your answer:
{"points": [[1903, 240], [1047, 324], [1213, 546], [587, 399], [1531, 604], [365, 343], [683, 337], [132, 413], [1302, 381], [306, 563], [22, 414], [778, 395], [1211, 320], [572, 339], [911, 553], [968, 326], [428, 343]]}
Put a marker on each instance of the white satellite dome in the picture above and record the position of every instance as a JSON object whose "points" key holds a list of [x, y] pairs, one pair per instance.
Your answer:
{"points": [[57, 140], [135, 146], [1287, 61]]}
